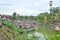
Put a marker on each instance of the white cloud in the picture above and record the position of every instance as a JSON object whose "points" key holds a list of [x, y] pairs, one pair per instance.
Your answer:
{"points": [[25, 7]]}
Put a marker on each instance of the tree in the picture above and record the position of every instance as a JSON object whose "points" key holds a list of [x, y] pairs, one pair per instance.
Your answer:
{"points": [[31, 17], [17, 16], [14, 15], [55, 12], [26, 17], [41, 16]]}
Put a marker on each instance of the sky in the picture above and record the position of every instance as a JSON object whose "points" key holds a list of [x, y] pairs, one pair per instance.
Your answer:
{"points": [[26, 7]]}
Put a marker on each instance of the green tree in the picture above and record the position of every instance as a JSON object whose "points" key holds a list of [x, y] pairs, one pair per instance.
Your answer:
{"points": [[42, 16], [31, 17], [17, 16], [14, 15], [55, 10], [55, 13]]}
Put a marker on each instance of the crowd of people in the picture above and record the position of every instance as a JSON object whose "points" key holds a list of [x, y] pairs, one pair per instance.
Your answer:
{"points": [[25, 24], [22, 23]]}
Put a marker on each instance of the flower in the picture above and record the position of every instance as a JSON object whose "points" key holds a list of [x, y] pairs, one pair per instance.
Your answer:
{"points": [[40, 35], [41, 38], [37, 34], [30, 36]]}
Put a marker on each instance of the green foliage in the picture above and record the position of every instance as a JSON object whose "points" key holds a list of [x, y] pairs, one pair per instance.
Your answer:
{"points": [[49, 34]]}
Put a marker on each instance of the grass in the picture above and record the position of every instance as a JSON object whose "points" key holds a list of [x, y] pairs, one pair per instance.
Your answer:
{"points": [[51, 34]]}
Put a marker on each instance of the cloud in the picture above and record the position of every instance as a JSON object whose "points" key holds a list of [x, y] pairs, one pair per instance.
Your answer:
{"points": [[25, 7]]}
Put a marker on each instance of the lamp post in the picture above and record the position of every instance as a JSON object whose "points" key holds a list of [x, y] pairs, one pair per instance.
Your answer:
{"points": [[50, 3]]}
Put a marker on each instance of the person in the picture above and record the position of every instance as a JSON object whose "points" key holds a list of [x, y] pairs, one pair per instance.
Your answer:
{"points": [[33, 26], [1, 35], [0, 24], [0, 16]]}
